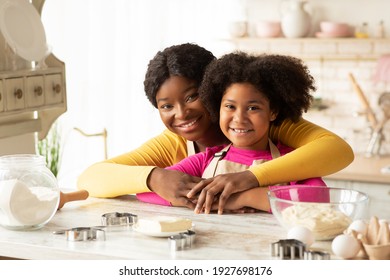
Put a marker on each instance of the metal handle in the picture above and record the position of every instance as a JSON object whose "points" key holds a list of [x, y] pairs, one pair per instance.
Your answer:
{"points": [[57, 88], [38, 90], [18, 93]]}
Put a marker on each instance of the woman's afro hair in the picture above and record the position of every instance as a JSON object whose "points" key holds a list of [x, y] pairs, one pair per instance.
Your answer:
{"points": [[185, 60]]}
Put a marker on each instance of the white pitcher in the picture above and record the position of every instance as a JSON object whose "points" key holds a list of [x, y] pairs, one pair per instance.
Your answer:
{"points": [[296, 21]]}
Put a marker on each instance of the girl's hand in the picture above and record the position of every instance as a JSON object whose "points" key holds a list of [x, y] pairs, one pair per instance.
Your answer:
{"points": [[235, 204], [224, 186], [173, 186]]}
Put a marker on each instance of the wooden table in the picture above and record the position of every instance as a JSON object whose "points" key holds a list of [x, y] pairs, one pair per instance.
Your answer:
{"points": [[227, 236]]}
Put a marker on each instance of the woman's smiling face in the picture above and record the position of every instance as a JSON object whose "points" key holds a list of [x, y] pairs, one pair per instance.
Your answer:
{"points": [[181, 109], [245, 116]]}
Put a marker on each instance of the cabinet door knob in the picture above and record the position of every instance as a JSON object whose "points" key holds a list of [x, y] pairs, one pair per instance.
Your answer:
{"points": [[57, 88], [18, 93], [0, 96], [38, 90]]}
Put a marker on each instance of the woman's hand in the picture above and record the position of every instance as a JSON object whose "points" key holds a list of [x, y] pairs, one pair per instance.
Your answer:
{"points": [[223, 186], [173, 186]]}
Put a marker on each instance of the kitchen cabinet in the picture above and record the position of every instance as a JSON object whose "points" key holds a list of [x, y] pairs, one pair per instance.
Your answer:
{"points": [[32, 97], [32, 90]]}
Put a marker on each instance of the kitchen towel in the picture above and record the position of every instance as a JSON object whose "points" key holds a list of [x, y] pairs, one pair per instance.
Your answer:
{"points": [[382, 73]]}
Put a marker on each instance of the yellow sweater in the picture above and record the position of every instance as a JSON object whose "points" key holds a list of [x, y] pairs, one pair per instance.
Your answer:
{"points": [[319, 152]]}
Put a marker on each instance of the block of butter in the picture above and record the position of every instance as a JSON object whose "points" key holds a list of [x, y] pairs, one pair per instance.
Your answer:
{"points": [[163, 224]]}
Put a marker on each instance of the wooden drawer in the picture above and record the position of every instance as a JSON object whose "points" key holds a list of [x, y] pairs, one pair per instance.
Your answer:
{"points": [[1, 96], [54, 91], [35, 91], [15, 94]]}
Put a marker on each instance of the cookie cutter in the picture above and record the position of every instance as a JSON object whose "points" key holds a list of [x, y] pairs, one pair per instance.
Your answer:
{"points": [[316, 255], [83, 234], [112, 220], [288, 249], [181, 241], [119, 219]]}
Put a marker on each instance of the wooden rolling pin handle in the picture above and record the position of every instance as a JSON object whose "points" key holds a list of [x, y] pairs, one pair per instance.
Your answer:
{"points": [[363, 99], [72, 196]]}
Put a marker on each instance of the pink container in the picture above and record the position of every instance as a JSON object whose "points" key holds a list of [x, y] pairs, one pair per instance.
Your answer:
{"points": [[335, 29], [268, 29]]}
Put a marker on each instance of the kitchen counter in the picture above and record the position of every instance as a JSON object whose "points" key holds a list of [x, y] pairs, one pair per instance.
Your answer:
{"points": [[364, 169], [227, 236]]}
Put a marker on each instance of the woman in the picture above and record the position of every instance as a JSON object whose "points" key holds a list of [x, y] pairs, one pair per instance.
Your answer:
{"points": [[171, 84]]}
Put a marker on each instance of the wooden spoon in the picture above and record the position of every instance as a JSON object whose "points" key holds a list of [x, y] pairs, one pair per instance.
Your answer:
{"points": [[72, 196]]}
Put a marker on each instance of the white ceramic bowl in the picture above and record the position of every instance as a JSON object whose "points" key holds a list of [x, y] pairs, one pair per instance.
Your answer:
{"points": [[327, 212], [268, 29], [238, 29]]}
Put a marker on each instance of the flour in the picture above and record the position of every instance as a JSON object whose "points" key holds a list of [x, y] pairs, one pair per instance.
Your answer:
{"points": [[21, 205], [324, 221]]}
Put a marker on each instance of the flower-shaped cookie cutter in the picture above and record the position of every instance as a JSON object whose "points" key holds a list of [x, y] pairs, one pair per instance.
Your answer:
{"points": [[288, 249], [83, 234], [119, 219], [181, 241]]}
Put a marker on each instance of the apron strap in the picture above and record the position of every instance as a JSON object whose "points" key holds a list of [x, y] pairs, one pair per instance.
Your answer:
{"points": [[190, 148], [212, 166], [210, 170], [274, 150]]}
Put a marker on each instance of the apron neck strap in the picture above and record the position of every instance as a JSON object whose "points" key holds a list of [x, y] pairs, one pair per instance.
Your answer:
{"points": [[273, 149], [190, 148]]}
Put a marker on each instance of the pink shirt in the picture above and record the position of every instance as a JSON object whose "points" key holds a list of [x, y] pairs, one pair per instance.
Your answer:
{"points": [[195, 165]]}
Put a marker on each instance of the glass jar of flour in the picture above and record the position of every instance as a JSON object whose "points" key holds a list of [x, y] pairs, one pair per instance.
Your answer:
{"points": [[29, 192]]}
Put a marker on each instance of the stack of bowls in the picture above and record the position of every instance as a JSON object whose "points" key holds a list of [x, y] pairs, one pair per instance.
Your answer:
{"points": [[331, 29]]}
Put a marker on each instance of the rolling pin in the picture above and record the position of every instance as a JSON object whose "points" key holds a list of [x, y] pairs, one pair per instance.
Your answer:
{"points": [[72, 196], [363, 99]]}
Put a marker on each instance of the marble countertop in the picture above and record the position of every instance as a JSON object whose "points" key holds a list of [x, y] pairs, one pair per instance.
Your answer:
{"points": [[365, 169], [227, 236]]}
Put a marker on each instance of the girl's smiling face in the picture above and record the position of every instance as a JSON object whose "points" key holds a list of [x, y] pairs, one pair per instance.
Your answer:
{"points": [[245, 116], [181, 109]]}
